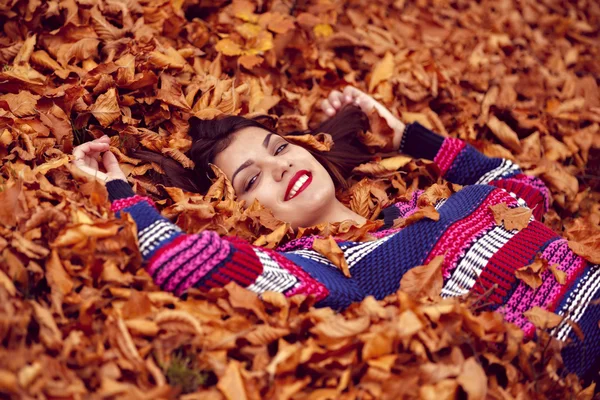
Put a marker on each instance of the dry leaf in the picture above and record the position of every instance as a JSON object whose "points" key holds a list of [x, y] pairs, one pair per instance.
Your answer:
{"points": [[330, 250], [512, 218], [424, 280]]}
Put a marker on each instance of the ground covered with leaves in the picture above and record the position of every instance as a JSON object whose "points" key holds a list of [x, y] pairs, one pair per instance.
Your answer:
{"points": [[79, 317]]}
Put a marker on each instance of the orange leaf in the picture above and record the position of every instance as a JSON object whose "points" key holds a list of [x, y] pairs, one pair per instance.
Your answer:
{"points": [[504, 133], [424, 280], [330, 249]]}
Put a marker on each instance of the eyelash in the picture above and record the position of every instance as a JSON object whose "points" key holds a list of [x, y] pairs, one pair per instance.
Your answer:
{"points": [[253, 179]]}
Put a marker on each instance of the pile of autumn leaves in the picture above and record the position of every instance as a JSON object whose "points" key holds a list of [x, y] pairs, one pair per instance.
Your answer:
{"points": [[77, 312]]}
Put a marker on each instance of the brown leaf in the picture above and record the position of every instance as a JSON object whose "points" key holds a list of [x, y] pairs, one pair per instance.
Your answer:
{"points": [[22, 104], [106, 108], [505, 134], [513, 218], [231, 383], [560, 276], [542, 318], [473, 380], [532, 274], [588, 252], [424, 280], [319, 142], [170, 92], [428, 212]]}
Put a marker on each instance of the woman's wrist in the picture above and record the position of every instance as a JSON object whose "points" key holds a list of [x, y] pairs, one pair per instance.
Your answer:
{"points": [[118, 189]]}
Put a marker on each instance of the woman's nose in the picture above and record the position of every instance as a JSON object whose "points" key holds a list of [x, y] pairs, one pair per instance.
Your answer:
{"points": [[280, 167]]}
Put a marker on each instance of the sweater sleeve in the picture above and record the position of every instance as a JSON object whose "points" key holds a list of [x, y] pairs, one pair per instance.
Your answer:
{"points": [[178, 261], [461, 163]]}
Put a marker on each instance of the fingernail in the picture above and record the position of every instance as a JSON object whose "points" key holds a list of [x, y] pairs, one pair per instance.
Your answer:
{"points": [[336, 103]]}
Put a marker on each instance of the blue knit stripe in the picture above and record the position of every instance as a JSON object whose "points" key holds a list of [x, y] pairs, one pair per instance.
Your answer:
{"points": [[470, 165], [579, 356], [342, 291], [142, 213], [379, 273]]}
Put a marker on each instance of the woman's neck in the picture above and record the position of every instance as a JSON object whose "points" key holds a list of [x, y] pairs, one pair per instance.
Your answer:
{"points": [[339, 212]]}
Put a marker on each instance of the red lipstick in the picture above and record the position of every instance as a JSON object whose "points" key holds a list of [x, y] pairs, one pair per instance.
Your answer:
{"points": [[290, 193]]}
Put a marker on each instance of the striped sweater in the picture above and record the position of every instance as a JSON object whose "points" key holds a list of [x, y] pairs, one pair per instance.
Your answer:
{"points": [[479, 255]]}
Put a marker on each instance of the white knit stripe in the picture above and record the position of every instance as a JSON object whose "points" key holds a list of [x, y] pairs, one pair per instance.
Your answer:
{"points": [[357, 253], [501, 170], [313, 255], [579, 300], [154, 232], [273, 278], [474, 261], [440, 203]]}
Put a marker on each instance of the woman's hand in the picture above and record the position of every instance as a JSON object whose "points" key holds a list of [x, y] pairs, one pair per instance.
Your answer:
{"points": [[352, 95], [86, 159]]}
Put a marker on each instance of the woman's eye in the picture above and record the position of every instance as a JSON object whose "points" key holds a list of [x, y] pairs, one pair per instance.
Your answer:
{"points": [[280, 148], [251, 182]]}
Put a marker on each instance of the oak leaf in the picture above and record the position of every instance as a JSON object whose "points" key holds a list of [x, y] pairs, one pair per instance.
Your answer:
{"points": [[504, 133], [532, 273]]}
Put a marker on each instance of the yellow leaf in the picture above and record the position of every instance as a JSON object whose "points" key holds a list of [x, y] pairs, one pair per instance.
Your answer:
{"points": [[323, 30], [248, 30], [229, 47], [383, 71]]}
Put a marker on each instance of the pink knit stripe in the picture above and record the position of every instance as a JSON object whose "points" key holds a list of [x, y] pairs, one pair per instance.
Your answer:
{"points": [[447, 153], [213, 254], [461, 235], [120, 204], [167, 251], [549, 294]]}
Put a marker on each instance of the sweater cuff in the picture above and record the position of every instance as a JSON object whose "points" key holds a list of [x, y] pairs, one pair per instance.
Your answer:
{"points": [[118, 189], [420, 142]]}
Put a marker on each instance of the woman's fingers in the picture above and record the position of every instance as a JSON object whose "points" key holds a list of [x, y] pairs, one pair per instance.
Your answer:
{"points": [[335, 99]]}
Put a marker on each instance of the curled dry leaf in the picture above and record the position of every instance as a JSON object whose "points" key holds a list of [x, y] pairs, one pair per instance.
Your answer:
{"points": [[329, 248]]}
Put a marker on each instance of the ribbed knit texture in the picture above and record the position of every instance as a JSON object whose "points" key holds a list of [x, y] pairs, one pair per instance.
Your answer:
{"points": [[479, 255]]}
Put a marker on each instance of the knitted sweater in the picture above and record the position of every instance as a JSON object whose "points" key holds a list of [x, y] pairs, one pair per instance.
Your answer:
{"points": [[478, 253]]}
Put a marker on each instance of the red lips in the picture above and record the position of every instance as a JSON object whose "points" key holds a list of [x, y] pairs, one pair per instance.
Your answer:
{"points": [[293, 181]]}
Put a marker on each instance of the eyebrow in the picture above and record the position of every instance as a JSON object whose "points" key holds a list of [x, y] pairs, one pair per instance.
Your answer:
{"points": [[248, 163]]}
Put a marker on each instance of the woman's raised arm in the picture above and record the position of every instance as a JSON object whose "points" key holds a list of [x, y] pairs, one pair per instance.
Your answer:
{"points": [[461, 163]]}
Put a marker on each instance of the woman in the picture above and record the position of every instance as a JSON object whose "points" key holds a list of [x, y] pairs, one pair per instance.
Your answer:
{"points": [[479, 255]]}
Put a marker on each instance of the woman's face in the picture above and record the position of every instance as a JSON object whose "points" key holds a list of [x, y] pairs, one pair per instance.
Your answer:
{"points": [[281, 176]]}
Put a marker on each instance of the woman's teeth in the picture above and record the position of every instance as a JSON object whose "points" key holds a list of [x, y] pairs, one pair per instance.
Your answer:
{"points": [[297, 185]]}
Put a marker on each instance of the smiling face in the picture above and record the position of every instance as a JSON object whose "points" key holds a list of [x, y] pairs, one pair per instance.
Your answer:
{"points": [[283, 177]]}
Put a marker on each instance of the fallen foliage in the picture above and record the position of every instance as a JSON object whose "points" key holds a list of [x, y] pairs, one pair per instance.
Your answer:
{"points": [[78, 314]]}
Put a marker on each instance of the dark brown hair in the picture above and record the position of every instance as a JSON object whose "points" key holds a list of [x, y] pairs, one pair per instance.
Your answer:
{"points": [[210, 137]]}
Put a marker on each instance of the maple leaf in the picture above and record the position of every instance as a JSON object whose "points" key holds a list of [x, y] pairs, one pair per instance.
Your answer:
{"points": [[512, 218]]}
